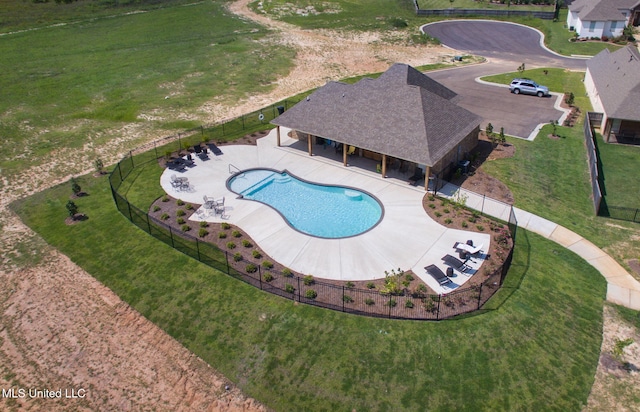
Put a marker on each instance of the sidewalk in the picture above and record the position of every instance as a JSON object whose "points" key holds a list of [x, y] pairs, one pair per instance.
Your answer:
{"points": [[622, 288]]}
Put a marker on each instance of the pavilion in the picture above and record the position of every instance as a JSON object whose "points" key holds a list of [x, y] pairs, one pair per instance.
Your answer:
{"points": [[401, 119]]}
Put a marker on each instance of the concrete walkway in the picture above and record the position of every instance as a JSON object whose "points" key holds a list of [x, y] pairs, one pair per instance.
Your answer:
{"points": [[622, 288]]}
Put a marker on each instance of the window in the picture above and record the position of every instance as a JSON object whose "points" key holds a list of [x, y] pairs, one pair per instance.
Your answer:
{"points": [[592, 26], [614, 25]]}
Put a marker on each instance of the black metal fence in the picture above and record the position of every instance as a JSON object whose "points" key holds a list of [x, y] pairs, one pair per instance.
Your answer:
{"points": [[455, 12], [593, 159], [406, 305]]}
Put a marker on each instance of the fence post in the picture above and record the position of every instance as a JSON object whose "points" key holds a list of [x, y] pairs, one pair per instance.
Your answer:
{"points": [[260, 276], [148, 223], [343, 298], [298, 290], [635, 216], [390, 296], [120, 173], [242, 117], [438, 311], [480, 295], [155, 148], [171, 235], [226, 258], [198, 249]]}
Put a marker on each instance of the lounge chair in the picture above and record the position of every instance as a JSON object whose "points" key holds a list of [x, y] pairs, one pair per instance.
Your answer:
{"points": [[469, 248], [188, 161], [177, 166], [203, 155], [214, 149], [437, 274], [456, 263], [197, 149], [351, 151]]}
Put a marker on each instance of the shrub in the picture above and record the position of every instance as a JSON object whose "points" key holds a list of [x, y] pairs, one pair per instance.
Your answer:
{"points": [[225, 225], [448, 221], [398, 23], [369, 301], [289, 288], [432, 206], [391, 303], [480, 228], [180, 221], [349, 284], [438, 214], [164, 216], [165, 198], [75, 187], [308, 280], [429, 305], [347, 299], [99, 165], [464, 224], [185, 228], [189, 206], [251, 268], [236, 233], [203, 232], [267, 265], [256, 254], [179, 202], [431, 198], [231, 245], [222, 235], [237, 257], [408, 304], [310, 294], [371, 285], [156, 208], [286, 272], [180, 212], [446, 210], [246, 243], [204, 224], [72, 208], [268, 277]]}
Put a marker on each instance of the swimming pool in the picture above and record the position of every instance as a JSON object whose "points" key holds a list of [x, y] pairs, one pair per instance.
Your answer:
{"points": [[318, 210]]}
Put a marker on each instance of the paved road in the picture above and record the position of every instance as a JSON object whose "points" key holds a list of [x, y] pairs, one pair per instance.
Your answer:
{"points": [[506, 46]]}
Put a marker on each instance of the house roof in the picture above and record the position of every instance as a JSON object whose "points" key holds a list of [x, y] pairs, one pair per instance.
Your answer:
{"points": [[617, 79], [602, 10], [403, 113]]}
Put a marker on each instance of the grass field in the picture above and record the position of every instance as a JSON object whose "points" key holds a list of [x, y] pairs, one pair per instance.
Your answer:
{"points": [[72, 87], [297, 357]]}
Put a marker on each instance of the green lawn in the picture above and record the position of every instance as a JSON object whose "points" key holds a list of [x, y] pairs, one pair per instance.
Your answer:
{"points": [[520, 354], [620, 166], [75, 86]]}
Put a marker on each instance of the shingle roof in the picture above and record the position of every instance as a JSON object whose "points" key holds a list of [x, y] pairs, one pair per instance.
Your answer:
{"points": [[602, 10], [403, 113], [617, 78]]}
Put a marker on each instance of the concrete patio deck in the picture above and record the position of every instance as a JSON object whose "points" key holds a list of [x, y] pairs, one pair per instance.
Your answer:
{"points": [[406, 238]]}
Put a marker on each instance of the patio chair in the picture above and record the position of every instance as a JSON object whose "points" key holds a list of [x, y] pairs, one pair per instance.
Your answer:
{"points": [[175, 183], [456, 263], [188, 161], [417, 175], [218, 206], [203, 155], [468, 247], [351, 151], [197, 149], [184, 184], [214, 149], [177, 166], [437, 274]]}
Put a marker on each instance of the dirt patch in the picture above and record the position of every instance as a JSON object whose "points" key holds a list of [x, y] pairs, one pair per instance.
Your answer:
{"points": [[634, 264]]}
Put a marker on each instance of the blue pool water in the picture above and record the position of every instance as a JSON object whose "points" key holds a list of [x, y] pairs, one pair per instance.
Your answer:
{"points": [[317, 210]]}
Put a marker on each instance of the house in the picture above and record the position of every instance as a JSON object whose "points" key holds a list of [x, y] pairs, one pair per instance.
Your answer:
{"points": [[598, 18], [402, 117], [613, 85]]}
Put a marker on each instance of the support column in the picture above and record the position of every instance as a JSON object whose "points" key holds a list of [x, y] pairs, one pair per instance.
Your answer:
{"points": [[384, 165], [310, 144], [278, 136], [344, 154], [427, 173]]}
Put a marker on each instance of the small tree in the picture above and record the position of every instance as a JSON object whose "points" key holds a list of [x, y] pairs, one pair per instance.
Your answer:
{"points": [[554, 125], [503, 139], [570, 99], [521, 69], [72, 208], [489, 130], [75, 187], [99, 165]]}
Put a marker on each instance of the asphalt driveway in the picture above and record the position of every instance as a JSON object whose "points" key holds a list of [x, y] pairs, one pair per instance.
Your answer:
{"points": [[506, 46]]}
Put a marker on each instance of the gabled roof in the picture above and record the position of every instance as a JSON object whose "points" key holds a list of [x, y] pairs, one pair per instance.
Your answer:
{"points": [[403, 113], [617, 79], [602, 10]]}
